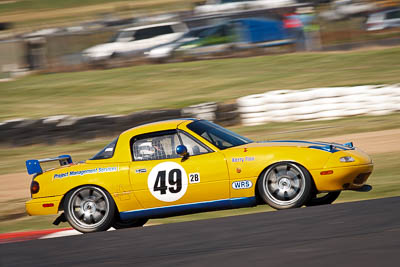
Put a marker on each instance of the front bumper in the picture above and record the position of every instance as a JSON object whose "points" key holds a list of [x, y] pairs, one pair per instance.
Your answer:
{"points": [[342, 178], [43, 206]]}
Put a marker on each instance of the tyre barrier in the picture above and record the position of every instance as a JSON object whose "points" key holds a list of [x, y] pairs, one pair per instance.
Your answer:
{"points": [[204, 111], [66, 128], [318, 103]]}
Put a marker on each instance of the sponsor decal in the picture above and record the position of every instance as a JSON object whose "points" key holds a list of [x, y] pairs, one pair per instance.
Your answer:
{"points": [[109, 169], [242, 184], [141, 171], [84, 172], [242, 159], [60, 175]]}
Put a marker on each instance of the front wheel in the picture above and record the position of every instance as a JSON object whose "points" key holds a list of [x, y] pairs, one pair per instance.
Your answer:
{"points": [[323, 199], [285, 185], [89, 209]]}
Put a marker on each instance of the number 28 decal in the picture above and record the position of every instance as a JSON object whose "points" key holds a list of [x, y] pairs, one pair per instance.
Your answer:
{"points": [[194, 178], [167, 181]]}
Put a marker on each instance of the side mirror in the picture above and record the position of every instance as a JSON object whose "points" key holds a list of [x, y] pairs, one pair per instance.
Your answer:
{"points": [[182, 151]]}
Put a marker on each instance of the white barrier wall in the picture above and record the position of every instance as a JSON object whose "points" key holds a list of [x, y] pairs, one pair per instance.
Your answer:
{"points": [[318, 103], [204, 111]]}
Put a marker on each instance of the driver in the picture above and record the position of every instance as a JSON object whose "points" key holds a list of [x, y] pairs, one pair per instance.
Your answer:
{"points": [[159, 152]]}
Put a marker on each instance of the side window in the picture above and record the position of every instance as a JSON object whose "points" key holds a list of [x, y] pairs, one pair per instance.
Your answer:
{"points": [[162, 30], [152, 32], [393, 14], [193, 146], [155, 146], [143, 34], [107, 152]]}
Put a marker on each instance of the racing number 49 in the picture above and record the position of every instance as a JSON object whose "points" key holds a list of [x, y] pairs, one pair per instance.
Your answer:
{"points": [[174, 181]]}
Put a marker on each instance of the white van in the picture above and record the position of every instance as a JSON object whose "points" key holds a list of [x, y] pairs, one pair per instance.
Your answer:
{"points": [[135, 41]]}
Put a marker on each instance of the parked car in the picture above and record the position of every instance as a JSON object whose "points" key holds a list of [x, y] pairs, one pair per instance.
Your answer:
{"points": [[238, 34], [188, 165], [223, 6], [135, 41], [167, 50], [340, 9], [383, 20]]}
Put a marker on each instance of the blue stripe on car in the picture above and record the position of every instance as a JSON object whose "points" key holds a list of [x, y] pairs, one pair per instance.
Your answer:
{"points": [[184, 208], [325, 146]]}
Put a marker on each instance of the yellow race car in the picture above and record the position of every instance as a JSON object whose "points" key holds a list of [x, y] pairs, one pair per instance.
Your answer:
{"points": [[187, 165]]}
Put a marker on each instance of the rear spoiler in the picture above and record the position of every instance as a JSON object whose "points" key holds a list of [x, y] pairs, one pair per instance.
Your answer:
{"points": [[33, 165]]}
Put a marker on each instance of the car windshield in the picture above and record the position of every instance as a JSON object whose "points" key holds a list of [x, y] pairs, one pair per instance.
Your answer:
{"points": [[217, 135], [107, 152]]}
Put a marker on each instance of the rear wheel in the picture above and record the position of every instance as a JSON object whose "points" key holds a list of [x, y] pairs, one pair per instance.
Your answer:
{"points": [[89, 209], [285, 185], [118, 224], [323, 199]]}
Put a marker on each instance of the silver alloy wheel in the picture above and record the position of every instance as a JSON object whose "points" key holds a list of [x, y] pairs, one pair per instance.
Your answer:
{"points": [[89, 207], [284, 184]]}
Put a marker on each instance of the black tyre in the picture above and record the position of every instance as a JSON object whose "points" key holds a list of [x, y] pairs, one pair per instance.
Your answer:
{"points": [[114, 55], [323, 199], [89, 209], [285, 185], [118, 224]]}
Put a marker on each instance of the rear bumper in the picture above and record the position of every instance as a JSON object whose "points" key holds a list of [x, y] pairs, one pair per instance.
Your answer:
{"points": [[342, 178], [43, 206]]}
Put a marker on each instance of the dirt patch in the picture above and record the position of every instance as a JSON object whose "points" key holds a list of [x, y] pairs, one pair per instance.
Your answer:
{"points": [[370, 142], [16, 186]]}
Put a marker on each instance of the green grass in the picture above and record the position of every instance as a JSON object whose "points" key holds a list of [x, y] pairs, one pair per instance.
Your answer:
{"points": [[124, 90], [53, 13], [22, 5], [36, 5]]}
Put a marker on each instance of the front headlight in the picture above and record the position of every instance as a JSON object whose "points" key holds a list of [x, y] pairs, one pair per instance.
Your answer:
{"points": [[347, 159]]}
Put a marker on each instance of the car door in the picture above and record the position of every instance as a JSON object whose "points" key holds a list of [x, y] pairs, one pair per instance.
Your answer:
{"points": [[160, 177]]}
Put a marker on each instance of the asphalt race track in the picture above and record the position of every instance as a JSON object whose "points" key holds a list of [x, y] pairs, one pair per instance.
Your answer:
{"points": [[365, 233]]}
